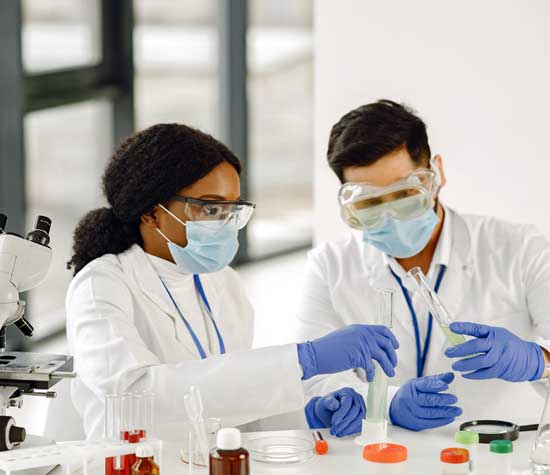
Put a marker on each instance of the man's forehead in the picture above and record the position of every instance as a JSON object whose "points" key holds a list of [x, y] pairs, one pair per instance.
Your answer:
{"points": [[388, 169]]}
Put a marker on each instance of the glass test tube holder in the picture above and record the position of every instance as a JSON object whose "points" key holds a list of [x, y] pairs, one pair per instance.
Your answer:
{"points": [[375, 425], [129, 418], [78, 456]]}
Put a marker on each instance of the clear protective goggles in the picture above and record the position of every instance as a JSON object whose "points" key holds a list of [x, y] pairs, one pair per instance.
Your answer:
{"points": [[365, 206], [236, 212]]}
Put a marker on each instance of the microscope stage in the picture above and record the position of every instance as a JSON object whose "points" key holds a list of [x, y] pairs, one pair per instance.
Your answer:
{"points": [[33, 370]]}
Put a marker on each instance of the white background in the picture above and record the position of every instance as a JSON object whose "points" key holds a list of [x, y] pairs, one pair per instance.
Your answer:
{"points": [[478, 73]]}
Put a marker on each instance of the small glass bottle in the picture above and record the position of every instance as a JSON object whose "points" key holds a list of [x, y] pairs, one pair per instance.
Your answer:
{"points": [[145, 463], [455, 461], [501, 457], [229, 458]]}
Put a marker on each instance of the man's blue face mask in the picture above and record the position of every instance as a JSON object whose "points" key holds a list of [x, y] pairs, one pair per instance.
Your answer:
{"points": [[403, 238], [211, 245]]}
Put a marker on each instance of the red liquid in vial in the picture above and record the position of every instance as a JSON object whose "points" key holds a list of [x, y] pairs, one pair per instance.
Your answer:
{"points": [[110, 467], [129, 460]]}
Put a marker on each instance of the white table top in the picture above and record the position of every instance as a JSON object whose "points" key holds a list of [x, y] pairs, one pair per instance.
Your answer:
{"points": [[346, 457]]}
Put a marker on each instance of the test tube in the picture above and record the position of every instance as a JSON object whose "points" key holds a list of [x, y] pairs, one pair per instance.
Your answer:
{"points": [[437, 309], [378, 388], [375, 425], [149, 429], [113, 415]]}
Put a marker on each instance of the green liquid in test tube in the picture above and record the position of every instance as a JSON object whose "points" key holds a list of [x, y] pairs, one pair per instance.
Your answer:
{"points": [[378, 389], [437, 309]]}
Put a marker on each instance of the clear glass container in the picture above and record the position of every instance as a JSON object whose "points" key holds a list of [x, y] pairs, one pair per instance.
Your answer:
{"points": [[437, 309], [540, 454], [287, 449]]}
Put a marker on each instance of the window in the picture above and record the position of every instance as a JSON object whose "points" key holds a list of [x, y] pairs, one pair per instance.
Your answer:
{"points": [[60, 34], [175, 56], [280, 90], [67, 148]]}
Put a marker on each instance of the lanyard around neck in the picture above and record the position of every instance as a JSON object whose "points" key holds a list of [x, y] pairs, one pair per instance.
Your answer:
{"points": [[421, 356], [208, 310]]}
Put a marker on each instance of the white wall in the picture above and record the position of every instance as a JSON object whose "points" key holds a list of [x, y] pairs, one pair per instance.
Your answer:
{"points": [[478, 72]]}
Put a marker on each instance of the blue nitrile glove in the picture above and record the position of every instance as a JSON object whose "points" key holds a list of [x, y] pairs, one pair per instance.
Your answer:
{"points": [[501, 354], [354, 346], [342, 411], [419, 404]]}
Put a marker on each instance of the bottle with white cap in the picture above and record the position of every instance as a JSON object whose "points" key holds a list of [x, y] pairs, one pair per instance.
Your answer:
{"points": [[145, 463], [229, 457]]}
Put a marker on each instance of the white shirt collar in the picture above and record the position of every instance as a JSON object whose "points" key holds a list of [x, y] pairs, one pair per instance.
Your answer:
{"points": [[168, 272]]}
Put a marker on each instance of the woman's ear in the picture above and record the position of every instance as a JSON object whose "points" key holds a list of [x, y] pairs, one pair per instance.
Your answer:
{"points": [[150, 218]]}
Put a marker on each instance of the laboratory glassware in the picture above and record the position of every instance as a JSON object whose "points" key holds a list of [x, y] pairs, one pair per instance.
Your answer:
{"points": [[437, 309], [229, 457], [540, 454], [455, 461], [386, 459], [281, 449]]}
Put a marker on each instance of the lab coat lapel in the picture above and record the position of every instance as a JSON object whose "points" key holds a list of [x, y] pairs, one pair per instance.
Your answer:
{"points": [[460, 273], [151, 286]]}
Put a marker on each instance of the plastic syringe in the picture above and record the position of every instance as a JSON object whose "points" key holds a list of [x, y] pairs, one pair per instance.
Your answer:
{"points": [[437, 309]]}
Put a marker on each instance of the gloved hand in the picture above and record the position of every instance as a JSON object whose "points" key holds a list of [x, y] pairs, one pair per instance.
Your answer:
{"points": [[354, 346], [419, 404], [342, 411], [500, 354]]}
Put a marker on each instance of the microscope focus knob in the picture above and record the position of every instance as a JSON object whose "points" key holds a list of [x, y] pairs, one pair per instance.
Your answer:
{"points": [[10, 434], [17, 434]]}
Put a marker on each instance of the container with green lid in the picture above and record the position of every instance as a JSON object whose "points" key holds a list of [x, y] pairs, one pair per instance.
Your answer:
{"points": [[467, 437], [469, 440], [502, 446], [501, 456]]}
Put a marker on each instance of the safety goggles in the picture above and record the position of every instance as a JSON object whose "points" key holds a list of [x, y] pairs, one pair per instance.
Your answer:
{"points": [[365, 206], [237, 212]]}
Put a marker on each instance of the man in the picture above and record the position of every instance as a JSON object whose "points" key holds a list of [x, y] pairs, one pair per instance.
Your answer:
{"points": [[491, 273]]}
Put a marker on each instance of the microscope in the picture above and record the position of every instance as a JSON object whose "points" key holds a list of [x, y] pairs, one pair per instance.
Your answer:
{"points": [[24, 263]]}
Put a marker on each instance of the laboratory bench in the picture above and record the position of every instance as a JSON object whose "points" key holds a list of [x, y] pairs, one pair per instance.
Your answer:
{"points": [[345, 456]]}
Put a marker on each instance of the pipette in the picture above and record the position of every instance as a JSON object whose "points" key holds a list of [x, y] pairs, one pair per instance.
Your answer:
{"points": [[194, 408], [437, 309]]}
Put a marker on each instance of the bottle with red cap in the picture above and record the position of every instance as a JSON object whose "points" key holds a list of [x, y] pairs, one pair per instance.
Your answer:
{"points": [[386, 459], [455, 461]]}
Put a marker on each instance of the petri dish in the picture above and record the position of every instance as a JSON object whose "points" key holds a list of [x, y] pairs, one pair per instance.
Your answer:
{"points": [[281, 449]]}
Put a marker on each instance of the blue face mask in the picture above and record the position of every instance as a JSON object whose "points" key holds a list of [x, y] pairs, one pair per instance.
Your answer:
{"points": [[403, 239], [211, 246]]}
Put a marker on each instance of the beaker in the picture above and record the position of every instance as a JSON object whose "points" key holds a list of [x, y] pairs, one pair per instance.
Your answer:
{"points": [[437, 309], [540, 454]]}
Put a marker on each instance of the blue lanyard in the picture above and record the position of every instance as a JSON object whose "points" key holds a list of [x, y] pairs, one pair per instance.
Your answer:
{"points": [[204, 301], [421, 356]]}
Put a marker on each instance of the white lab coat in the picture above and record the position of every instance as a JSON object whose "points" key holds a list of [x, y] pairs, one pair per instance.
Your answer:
{"points": [[126, 335], [498, 273]]}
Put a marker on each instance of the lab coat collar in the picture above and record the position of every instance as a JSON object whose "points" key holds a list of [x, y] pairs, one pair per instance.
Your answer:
{"points": [[138, 264], [147, 279]]}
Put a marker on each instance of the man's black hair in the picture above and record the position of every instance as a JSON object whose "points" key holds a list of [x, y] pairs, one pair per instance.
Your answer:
{"points": [[147, 169], [367, 133]]}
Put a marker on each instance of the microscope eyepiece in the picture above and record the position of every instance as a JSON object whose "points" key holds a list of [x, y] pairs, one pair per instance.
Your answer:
{"points": [[41, 232], [3, 222]]}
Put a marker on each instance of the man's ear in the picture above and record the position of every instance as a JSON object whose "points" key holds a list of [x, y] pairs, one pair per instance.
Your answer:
{"points": [[439, 161]]}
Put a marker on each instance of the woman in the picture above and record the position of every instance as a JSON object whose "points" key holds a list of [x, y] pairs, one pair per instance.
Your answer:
{"points": [[153, 305]]}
